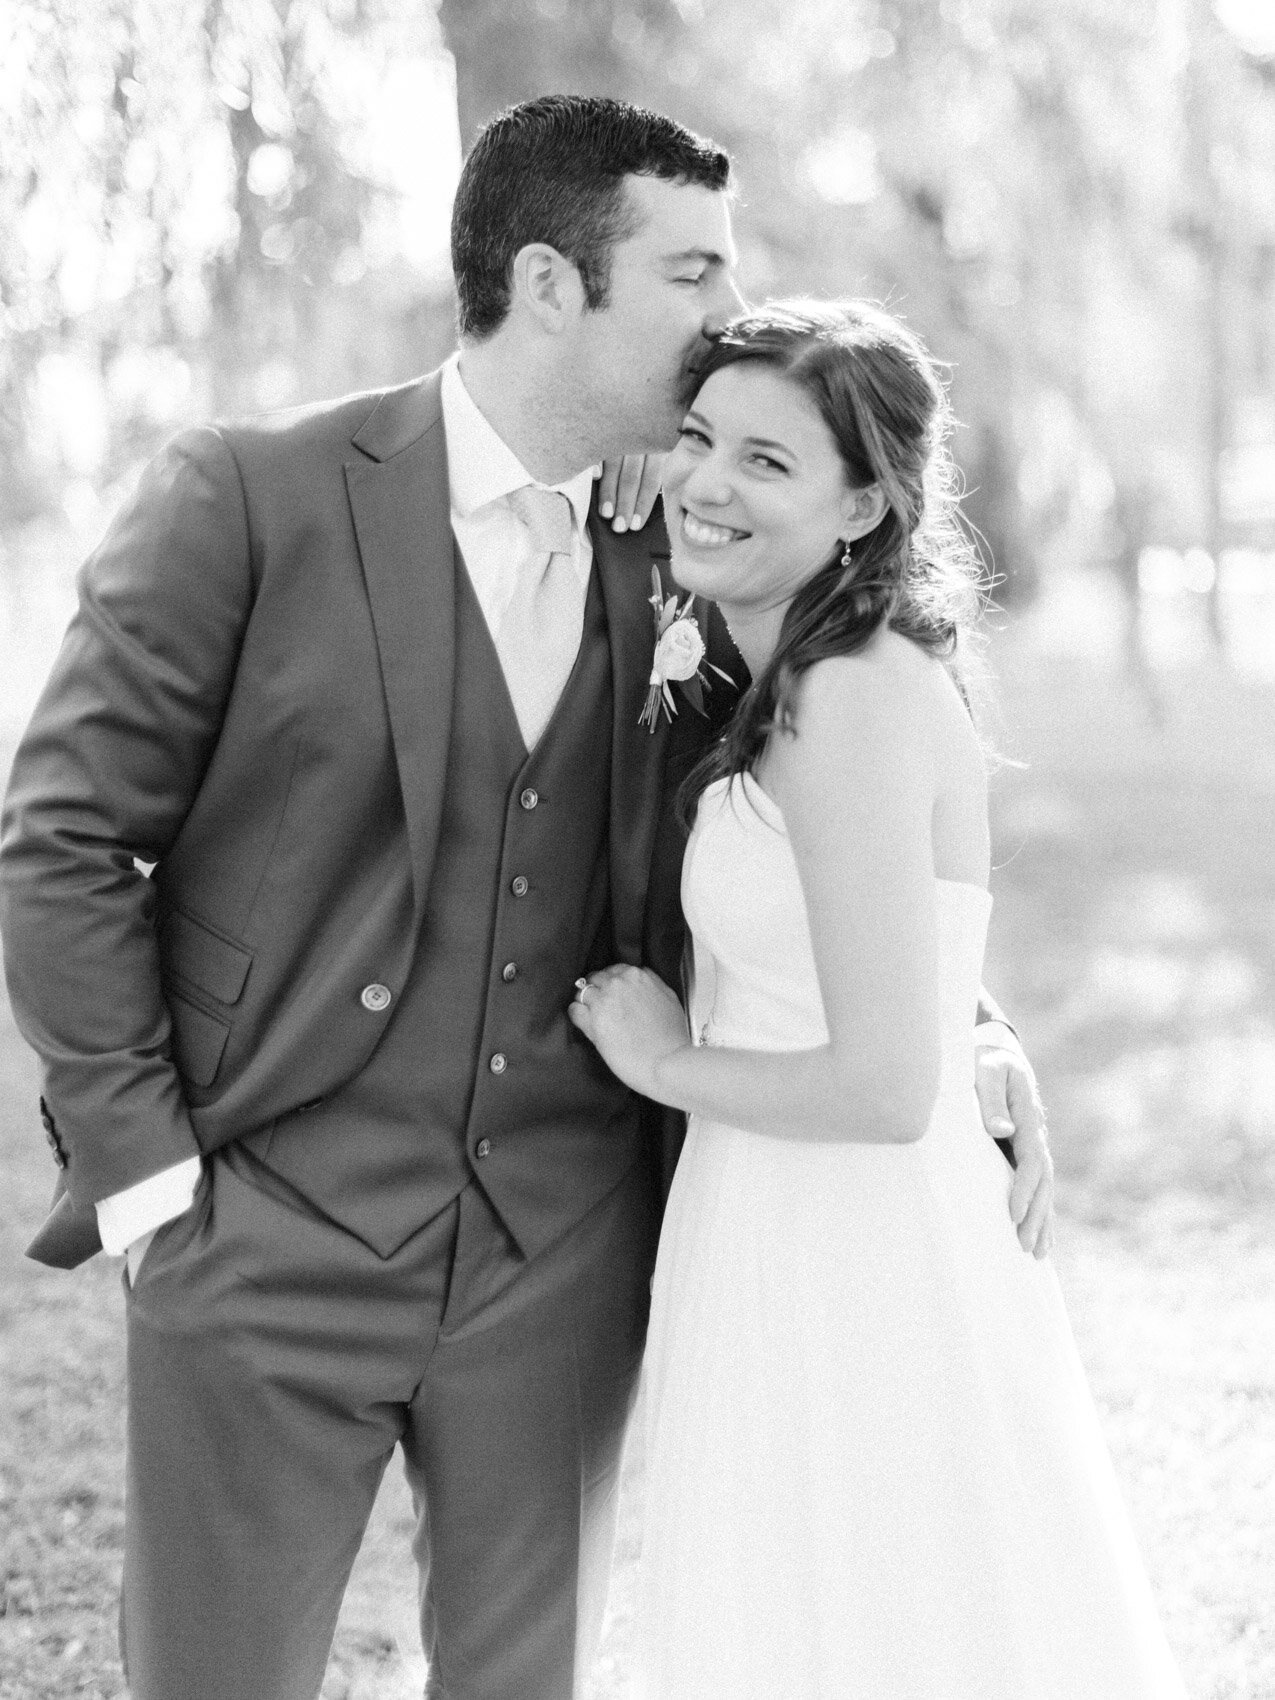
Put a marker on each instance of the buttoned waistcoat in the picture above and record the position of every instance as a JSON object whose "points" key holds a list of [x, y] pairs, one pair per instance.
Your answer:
{"points": [[254, 699]]}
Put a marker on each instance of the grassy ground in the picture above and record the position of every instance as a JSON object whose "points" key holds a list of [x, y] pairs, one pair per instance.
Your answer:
{"points": [[1132, 940]]}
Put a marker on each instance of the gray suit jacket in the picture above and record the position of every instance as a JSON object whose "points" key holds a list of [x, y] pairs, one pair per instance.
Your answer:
{"points": [[254, 696]]}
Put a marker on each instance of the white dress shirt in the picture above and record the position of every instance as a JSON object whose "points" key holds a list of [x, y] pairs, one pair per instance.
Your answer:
{"points": [[482, 471]]}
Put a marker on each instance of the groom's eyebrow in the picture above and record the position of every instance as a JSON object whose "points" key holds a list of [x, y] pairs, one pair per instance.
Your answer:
{"points": [[709, 256]]}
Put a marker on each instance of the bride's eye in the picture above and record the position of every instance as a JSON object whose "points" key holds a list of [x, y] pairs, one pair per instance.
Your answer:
{"points": [[688, 433]]}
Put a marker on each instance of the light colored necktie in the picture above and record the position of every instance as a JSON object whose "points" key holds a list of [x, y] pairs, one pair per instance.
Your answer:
{"points": [[539, 633]]}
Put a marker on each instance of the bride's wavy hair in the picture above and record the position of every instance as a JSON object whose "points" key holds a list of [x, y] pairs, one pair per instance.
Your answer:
{"points": [[917, 572]]}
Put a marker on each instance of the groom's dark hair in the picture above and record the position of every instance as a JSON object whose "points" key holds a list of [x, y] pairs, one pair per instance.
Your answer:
{"points": [[552, 170]]}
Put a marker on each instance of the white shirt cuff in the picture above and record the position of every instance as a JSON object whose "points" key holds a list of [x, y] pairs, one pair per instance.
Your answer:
{"points": [[140, 1209]]}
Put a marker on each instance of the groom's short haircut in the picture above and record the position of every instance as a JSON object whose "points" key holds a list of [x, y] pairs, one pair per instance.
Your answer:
{"points": [[552, 170]]}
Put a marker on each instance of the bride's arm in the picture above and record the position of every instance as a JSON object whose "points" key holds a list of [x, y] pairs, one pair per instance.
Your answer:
{"points": [[857, 788]]}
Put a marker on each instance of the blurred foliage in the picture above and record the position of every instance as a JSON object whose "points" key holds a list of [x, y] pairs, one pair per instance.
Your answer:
{"points": [[191, 221], [1073, 203]]}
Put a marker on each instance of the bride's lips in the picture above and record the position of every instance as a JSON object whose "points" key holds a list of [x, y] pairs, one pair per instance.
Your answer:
{"points": [[705, 534]]}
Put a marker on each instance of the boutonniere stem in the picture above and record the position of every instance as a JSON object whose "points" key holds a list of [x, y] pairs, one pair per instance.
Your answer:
{"points": [[679, 652]]}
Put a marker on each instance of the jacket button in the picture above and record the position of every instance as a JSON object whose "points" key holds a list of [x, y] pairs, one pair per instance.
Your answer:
{"points": [[375, 997], [529, 798], [483, 1148], [509, 971], [499, 1063], [519, 885]]}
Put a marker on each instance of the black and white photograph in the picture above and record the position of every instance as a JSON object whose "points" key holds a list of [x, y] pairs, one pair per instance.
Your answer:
{"points": [[637, 859]]}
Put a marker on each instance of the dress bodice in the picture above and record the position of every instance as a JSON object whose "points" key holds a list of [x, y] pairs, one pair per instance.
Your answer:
{"points": [[755, 983]]}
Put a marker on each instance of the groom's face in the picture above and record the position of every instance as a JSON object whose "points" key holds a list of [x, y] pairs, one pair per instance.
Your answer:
{"points": [[672, 289]]}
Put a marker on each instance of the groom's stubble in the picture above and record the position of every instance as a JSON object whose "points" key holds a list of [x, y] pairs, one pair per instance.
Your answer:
{"points": [[617, 378]]}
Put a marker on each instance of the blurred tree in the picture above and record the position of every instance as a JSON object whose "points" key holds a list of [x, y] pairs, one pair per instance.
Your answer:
{"points": [[193, 219], [631, 49]]}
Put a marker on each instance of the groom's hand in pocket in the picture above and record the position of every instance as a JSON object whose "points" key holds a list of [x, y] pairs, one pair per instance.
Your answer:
{"points": [[1010, 1103], [128, 1221]]}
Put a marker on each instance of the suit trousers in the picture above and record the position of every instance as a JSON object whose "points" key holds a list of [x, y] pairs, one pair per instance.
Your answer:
{"points": [[274, 1363]]}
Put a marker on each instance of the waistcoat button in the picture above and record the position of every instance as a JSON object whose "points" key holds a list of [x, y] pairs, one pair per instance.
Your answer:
{"points": [[509, 971], [519, 885], [483, 1148], [375, 997], [529, 798], [499, 1063]]}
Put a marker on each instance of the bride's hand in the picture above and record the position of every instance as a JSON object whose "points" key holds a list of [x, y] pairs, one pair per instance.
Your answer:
{"points": [[634, 1020], [627, 489]]}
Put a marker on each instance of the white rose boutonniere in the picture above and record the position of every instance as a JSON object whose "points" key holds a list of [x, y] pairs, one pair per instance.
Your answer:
{"points": [[679, 651]]}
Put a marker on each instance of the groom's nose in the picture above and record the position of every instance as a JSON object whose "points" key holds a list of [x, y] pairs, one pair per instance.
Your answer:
{"points": [[726, 304]]}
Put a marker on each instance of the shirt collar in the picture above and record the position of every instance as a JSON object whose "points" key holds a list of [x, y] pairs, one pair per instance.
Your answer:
{"points": [[481, 467]]}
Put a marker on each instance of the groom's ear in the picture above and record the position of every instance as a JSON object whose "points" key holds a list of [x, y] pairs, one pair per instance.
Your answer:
{"points": [[547, 286]]}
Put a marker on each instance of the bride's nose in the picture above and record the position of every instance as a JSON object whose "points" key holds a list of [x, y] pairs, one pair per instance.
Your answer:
{"points": [[709, 483]]}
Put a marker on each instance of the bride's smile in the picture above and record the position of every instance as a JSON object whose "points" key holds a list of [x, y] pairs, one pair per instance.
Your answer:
{"points": [[702, 534]]}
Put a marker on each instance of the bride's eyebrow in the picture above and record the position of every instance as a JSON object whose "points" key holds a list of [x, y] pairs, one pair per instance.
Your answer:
{"points": [[770, 443]]}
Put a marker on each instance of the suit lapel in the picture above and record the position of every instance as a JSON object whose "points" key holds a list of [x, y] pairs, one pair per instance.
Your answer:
{"points": [[624, 562], [402, 517]]}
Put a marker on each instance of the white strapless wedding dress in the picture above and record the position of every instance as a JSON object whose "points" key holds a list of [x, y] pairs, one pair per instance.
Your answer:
{"points": [[873, 1467]]}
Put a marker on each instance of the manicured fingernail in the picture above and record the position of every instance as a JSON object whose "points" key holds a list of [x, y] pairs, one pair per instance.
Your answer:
{"points": [[607, 509], [1002, 1129], [620, 525], [638, 522]]}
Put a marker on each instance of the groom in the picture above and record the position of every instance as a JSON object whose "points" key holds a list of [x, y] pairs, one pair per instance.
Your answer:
{"points": [[361, 686]]}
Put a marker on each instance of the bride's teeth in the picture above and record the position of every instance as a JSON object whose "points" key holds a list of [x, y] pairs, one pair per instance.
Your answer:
{"points": [[700, 531]]}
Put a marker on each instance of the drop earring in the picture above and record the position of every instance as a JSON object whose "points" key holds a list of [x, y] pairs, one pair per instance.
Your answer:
{"points": [[846, 558]]}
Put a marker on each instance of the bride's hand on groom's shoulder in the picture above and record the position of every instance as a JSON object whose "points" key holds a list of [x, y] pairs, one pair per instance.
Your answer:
{"points": [[627, 489], [1010, 1103], [634, 1020]]}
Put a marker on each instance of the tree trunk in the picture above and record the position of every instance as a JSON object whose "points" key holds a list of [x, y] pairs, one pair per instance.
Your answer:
{"points": [[1207, 136], [514, 50]]}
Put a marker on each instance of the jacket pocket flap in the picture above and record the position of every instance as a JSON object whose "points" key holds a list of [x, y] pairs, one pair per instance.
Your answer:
{"points": [[198, 1040], [195, 953]]}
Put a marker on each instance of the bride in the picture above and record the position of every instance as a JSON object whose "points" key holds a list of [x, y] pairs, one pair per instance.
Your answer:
{"points": [[872, 1465]]}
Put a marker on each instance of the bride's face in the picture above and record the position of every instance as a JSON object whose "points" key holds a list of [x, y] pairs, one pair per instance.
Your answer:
{"points": [[755, 493]]}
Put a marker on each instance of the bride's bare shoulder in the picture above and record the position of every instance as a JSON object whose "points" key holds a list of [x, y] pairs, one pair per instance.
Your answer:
{"points": [[890, 706], [890, 675]]}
